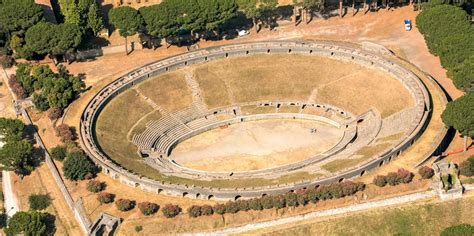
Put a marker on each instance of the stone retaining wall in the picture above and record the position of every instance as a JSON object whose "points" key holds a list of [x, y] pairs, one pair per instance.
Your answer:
{"points": [[320, 48]]}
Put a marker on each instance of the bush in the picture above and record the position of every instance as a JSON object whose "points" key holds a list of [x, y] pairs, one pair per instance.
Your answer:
{"points": [[466, 168], [312, 195], [138, 228], [148, 208], [16, 87], [6, 61], [170, 211], [206, 210], [267, 202], [77, 166], [65, 133], [39, 201], [380, 181], [231, 207], [392, 178], [278, 202], [302, 198], [95, 186], [40, 102], [255, 204], [426, 172], [458, 230], [124, 204], [219, 209], [291, 199], [194, 211], [243, 205], [55, 113], [58, 153], [105, 198]]}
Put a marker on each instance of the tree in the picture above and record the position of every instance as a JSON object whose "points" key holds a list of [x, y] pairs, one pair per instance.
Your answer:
{"points": [[40, 101], [466, 168], [458, 230], [77, 166], [47, 38], [54, 113], [148, 208], [65, 133], [11, 129], [39, 201], [58, 153], [105, 198], [16, 156], [426, 172], [95, 186], [460, 115], [170, 210], [206, 210], [380, 181], [28, 223], [126, 20], [256, 9], [124, 204], [463, 75], [94, 19], [16, 16], [194, 211]]}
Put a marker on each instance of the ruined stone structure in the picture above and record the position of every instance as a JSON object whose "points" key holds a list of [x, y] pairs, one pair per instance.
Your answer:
{"points": [[160, 136], [446, 170]]}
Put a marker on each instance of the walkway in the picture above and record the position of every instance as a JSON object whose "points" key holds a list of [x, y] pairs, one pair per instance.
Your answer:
{"points": [[10, 201]]}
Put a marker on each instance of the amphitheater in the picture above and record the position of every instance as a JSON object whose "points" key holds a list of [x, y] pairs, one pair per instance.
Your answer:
{"points": [[165, 127]]}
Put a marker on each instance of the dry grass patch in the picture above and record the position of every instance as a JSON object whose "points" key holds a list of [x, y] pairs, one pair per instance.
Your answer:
{"points": [[361, 91], [214, 90], [169, 90], [362, 154]]}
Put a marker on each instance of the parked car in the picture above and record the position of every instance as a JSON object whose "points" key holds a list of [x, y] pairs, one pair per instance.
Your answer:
{"points": [[407, 25], [242, 33]]}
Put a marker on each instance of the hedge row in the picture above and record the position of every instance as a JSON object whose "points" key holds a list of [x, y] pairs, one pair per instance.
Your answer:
{"points": [[402, 176], [292, 199]]}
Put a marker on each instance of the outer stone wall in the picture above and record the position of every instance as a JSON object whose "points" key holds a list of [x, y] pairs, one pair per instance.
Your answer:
{"points": [[321, 48]]}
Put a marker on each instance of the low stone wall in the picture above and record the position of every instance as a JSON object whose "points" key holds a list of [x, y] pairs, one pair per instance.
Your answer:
{"points": [[320, 48]]}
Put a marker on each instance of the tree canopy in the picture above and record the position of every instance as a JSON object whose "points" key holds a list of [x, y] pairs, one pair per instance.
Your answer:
{"points": [[459, 114], [30, 223], [83, 13], [11, 129], [126, 20], [77, 166], [47, 38], [16, 16], [16, 156]]}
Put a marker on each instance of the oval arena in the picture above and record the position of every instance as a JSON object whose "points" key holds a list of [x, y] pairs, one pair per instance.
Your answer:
{"points": [[226, 87]]}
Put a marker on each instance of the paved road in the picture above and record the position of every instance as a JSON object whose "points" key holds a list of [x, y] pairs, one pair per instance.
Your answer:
{"points": [[10, 201]]}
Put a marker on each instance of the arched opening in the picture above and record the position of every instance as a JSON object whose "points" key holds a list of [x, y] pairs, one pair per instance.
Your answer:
{"points": [[237, 197], [210, 197], [360, 121], [205, 58], [289, 50], [166, 68], [137, 185], [263, 195], [185, 63], [292, 191], [310, 51], [381, 163], [185, 194], [352, 57], [160, 190], [198, 195], [226, 55], [362, 173], [268, 50], [332, 53], [317, 186], [341, 179], [247, 52]]}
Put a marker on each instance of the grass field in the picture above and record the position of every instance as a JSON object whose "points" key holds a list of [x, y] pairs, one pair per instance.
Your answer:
{"points": [[418, 219], [169, 91], [362, 155]]}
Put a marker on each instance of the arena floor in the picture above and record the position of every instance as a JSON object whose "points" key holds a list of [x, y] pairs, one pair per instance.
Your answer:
{"points": [[256, 145]]}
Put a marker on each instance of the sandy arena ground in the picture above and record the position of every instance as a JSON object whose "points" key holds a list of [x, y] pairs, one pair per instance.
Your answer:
{"points": [[256, 145]]}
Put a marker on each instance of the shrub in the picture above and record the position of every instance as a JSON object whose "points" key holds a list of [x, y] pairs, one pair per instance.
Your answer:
{"points": [[404, 176], [426, 172], [58, 153], [77, 166], [243, 205], [95, 186], [278, 202], [206, 210], [380, 181], [392, 178], [194, 211], [55, 113], [124, 204], [16, 87], [138, 228], [458, 230], [312, 195], [6, 61], [39, 201], [40, 102], [65, 133], [466, 168], [170, 210], [302, 199], [267, 202], [255, 204], [219, 209], [231, 207], [148, 208], [105, 198], [291, 199]]}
